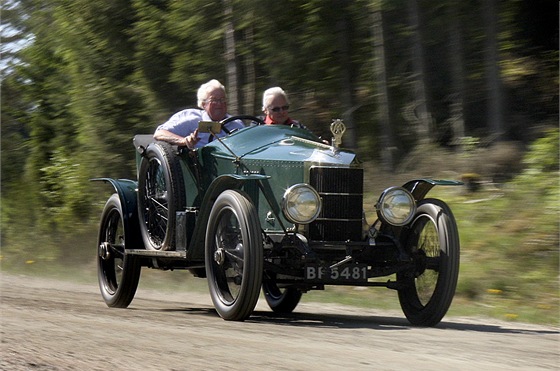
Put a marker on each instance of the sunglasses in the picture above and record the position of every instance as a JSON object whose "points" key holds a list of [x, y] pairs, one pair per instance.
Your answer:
{"points": [[278, 109]]}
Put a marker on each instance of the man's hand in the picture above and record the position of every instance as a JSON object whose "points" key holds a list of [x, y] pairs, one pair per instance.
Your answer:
{"points": [[192, 139]]}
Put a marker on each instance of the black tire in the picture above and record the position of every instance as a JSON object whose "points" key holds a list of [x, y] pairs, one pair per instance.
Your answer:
{"points": [[280, 300], [161, 193], [433, 240], [118, 274], [234, 255]]}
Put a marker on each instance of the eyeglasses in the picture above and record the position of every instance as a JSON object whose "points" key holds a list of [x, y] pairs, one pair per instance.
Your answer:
{"points": [[278, 109], [212, 100]]}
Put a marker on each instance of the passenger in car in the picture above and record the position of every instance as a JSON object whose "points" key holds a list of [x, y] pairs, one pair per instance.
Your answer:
{"points": [[275, 106], [182, 128]]}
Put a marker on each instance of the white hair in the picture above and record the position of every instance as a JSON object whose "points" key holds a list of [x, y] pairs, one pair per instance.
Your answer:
{"points": [[206, 88], [271, 93]]}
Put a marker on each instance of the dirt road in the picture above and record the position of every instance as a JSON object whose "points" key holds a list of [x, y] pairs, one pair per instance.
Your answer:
{"points": [[55, 325]]}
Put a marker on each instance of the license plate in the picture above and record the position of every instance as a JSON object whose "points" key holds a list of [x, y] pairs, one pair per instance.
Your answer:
{"points": [[342, 273]]}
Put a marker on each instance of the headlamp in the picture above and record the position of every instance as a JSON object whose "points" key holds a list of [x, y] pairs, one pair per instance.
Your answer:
{"points": [[396, 206], [301, 204]]}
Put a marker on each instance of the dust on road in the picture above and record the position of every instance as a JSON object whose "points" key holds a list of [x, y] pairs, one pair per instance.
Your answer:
{"points": [[57, 325]]}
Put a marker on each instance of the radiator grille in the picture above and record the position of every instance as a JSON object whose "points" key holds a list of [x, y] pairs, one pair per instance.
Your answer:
{"points": [[342, 192]]}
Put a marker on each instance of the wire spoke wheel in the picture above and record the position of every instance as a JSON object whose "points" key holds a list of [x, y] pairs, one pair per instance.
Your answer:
{"points": [[157, 205], [433, 241], [160, 195], [428, 249]]}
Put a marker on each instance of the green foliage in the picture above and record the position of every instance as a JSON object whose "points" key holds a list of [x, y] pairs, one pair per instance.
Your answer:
{"points": [[63, 187], [542, 158], [510, 238], [13, 135]]}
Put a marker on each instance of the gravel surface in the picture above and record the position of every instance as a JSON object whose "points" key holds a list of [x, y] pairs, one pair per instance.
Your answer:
{"points": [[57, 325]]}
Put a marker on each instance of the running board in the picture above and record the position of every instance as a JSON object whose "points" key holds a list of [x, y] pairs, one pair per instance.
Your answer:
{"points": [[157, 253]]}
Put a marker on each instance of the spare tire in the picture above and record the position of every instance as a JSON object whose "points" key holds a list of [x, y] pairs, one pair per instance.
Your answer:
{"points": [[161, 193]]}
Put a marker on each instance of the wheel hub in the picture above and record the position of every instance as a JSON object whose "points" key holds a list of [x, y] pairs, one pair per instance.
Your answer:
{"points": [[219, 256], [104, 251]]}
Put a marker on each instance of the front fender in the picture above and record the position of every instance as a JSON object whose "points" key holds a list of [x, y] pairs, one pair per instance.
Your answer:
{"points": [[127, 191], [218, 185], [420, 187]]}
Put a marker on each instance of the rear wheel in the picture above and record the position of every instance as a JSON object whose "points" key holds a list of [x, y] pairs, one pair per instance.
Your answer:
{"points": [[234, 255], [433, 240], [118, 273], [161, 193], [280, 300]]}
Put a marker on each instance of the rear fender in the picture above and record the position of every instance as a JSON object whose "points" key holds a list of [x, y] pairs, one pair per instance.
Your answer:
{"points": [[420, 187], [220, 184], [127, 191]]}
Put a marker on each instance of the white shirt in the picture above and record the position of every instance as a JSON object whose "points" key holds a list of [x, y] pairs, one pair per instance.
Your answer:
{"points": [[184, 122]]}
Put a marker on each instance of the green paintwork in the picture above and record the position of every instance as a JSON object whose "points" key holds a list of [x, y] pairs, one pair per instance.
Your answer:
{"points": [[282, 153], [277, 143], [127, 191]]}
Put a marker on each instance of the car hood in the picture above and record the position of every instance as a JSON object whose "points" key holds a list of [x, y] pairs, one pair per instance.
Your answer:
{"points": [[277, 143]]}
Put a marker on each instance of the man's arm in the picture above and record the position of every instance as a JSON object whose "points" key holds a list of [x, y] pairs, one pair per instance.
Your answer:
{"points": [[169, 137]]}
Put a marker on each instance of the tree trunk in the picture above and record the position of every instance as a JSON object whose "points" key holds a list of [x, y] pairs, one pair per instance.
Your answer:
{"points": [[458, 73], [346, 86], [493, 78], [419, 108], [231, 65], [250, 75], [382, 96]]}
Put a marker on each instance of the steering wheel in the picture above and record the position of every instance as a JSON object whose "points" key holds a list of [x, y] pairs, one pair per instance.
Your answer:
{"points": [[223, 123]]}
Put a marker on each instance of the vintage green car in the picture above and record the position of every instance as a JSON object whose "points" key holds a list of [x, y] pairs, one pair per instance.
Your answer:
{"points": [[274, 207]]}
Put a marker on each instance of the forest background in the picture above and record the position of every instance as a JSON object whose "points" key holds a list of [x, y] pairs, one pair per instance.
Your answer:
{"points": [[426, 88]]}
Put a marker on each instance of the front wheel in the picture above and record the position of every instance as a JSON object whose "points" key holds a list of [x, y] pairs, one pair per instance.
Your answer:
{"points": [[433, 241], [234, 255], [118, 273]]}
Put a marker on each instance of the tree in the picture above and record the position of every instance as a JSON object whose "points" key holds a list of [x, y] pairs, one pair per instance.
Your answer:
{"points": [[493, 78], [231, 58], [382, 95], [418, 111], [457, 96]]}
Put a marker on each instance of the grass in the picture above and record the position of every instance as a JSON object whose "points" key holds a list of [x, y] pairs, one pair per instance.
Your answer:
{"points": [[509, 256]]}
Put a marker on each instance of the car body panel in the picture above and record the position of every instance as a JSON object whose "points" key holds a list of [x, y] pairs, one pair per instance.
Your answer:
{"points": [[127, 191]]}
